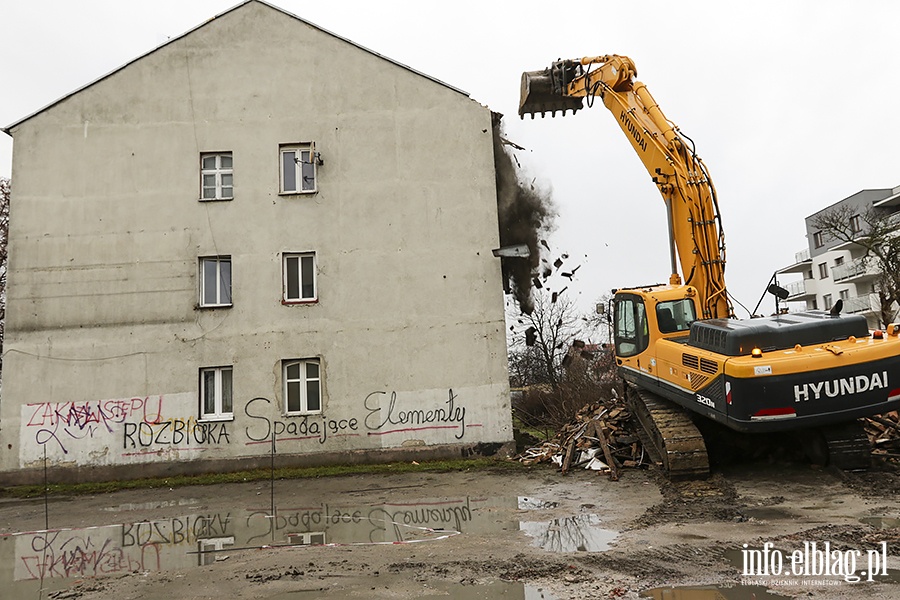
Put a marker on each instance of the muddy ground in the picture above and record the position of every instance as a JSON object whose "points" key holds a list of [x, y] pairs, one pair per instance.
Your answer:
{"points": [[480, 534]]}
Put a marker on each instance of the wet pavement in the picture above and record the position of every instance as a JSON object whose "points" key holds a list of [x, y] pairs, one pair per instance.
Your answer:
{"points": [[36, 562], [402, 536]]}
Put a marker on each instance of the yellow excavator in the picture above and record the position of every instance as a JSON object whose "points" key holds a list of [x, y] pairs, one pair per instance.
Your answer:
{"points": [[679, 348]]}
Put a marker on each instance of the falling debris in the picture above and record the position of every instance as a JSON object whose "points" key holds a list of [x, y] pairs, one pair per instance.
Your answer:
{"points": [[570, 274], [523, 214]]}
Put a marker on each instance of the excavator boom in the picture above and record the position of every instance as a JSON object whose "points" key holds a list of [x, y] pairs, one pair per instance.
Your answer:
{"points": [[677, 347], [696, 241]]}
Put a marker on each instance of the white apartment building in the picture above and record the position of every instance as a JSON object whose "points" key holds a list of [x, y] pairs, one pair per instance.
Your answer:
{"points": [[831, 269]]}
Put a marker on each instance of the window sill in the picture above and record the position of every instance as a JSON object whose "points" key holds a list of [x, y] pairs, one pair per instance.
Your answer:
{"points": [[300, 302], [215, 199], [213, 306], [288, 415], [303, 193], [218, 419]]}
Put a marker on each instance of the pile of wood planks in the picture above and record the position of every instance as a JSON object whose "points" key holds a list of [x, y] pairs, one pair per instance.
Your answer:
{"points": [[599, 437], [884, 432]]}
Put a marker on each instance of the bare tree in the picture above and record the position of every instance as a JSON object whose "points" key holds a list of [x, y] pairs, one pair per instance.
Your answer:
{"points": [[558, 372], [542, 339], [876, 232]]}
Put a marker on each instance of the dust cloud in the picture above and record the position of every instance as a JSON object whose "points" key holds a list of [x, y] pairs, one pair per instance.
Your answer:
{"points": [[524, 214]]}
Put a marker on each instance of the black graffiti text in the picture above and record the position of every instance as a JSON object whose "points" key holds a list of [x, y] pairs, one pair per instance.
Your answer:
{"points": [[174, 432], [378, 417]]}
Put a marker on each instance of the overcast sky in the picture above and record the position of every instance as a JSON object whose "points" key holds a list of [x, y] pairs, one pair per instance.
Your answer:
{"points": [[792, 105]]}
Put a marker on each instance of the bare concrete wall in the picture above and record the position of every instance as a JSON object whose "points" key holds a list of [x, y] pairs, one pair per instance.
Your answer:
{"points": [[104, 339]]}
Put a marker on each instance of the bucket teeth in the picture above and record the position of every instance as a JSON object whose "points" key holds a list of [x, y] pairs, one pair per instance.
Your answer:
{"points": [[540, 94]]}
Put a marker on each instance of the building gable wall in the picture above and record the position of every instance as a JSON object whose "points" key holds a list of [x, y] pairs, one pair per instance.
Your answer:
{"points": [[107, 228]]}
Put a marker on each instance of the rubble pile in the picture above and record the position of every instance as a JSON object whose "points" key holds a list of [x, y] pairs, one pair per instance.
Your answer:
{"points": [[600, 437], [884, 433]]}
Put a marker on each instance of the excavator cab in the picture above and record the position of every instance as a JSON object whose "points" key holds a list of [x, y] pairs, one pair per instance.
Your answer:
{"points": [[641, 316]]}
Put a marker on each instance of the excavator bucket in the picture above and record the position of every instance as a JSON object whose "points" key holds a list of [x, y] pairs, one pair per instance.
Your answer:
{"points": [[542, 93]]}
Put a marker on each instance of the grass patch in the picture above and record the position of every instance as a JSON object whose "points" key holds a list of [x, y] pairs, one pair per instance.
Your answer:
{"points": [[437, 466]]}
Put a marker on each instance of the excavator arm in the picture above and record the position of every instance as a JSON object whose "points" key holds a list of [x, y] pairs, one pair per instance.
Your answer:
{"points": [[696, 241]]}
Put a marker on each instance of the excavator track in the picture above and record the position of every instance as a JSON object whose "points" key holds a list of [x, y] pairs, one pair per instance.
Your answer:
{"points": [[844, 445], [669, 435]]}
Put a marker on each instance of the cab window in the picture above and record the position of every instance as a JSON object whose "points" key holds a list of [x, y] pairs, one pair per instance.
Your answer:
{"points": [[676, 315], [631, 331]]}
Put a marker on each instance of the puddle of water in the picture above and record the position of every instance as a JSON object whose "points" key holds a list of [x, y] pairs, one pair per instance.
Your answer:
{"points": [[881, 522], [451, 591], [581, 533], [52, 559], [526, 503], [712, 592], [768, 513]]}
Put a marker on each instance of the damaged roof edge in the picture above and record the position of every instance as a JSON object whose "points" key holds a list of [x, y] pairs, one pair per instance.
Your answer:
{"points": [[8, 128]]}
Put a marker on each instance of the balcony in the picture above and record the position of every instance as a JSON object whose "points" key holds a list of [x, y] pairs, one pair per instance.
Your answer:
{"points": [[862, 304], [797, 290], [856, 271], [801, 264]]}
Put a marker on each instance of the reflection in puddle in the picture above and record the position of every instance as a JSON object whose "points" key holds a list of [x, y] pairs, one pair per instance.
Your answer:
{"points": [[449, 591], [881, 522], [580, 533], [712, 592], [30, 561], [526, 503], [767, 513]]}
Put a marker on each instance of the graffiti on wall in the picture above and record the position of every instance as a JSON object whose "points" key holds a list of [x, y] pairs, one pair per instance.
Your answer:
{"points": [[175, 432], [303, 427], [117, 430], [384, 414], [392, 419], [165, 427], [61, 424]]}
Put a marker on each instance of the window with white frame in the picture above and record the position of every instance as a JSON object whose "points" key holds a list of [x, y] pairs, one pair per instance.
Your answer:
{"points": [[826, 302], [216, 176], [302, 386], [216, 399], [823, 270], [818, 240], [215, 281], [845, 294], [855, 225], [299, 277], [298, 168]]}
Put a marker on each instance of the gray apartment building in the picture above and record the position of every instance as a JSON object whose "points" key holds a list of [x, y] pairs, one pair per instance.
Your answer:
{"points": [[833, 269], [258, 230]]}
